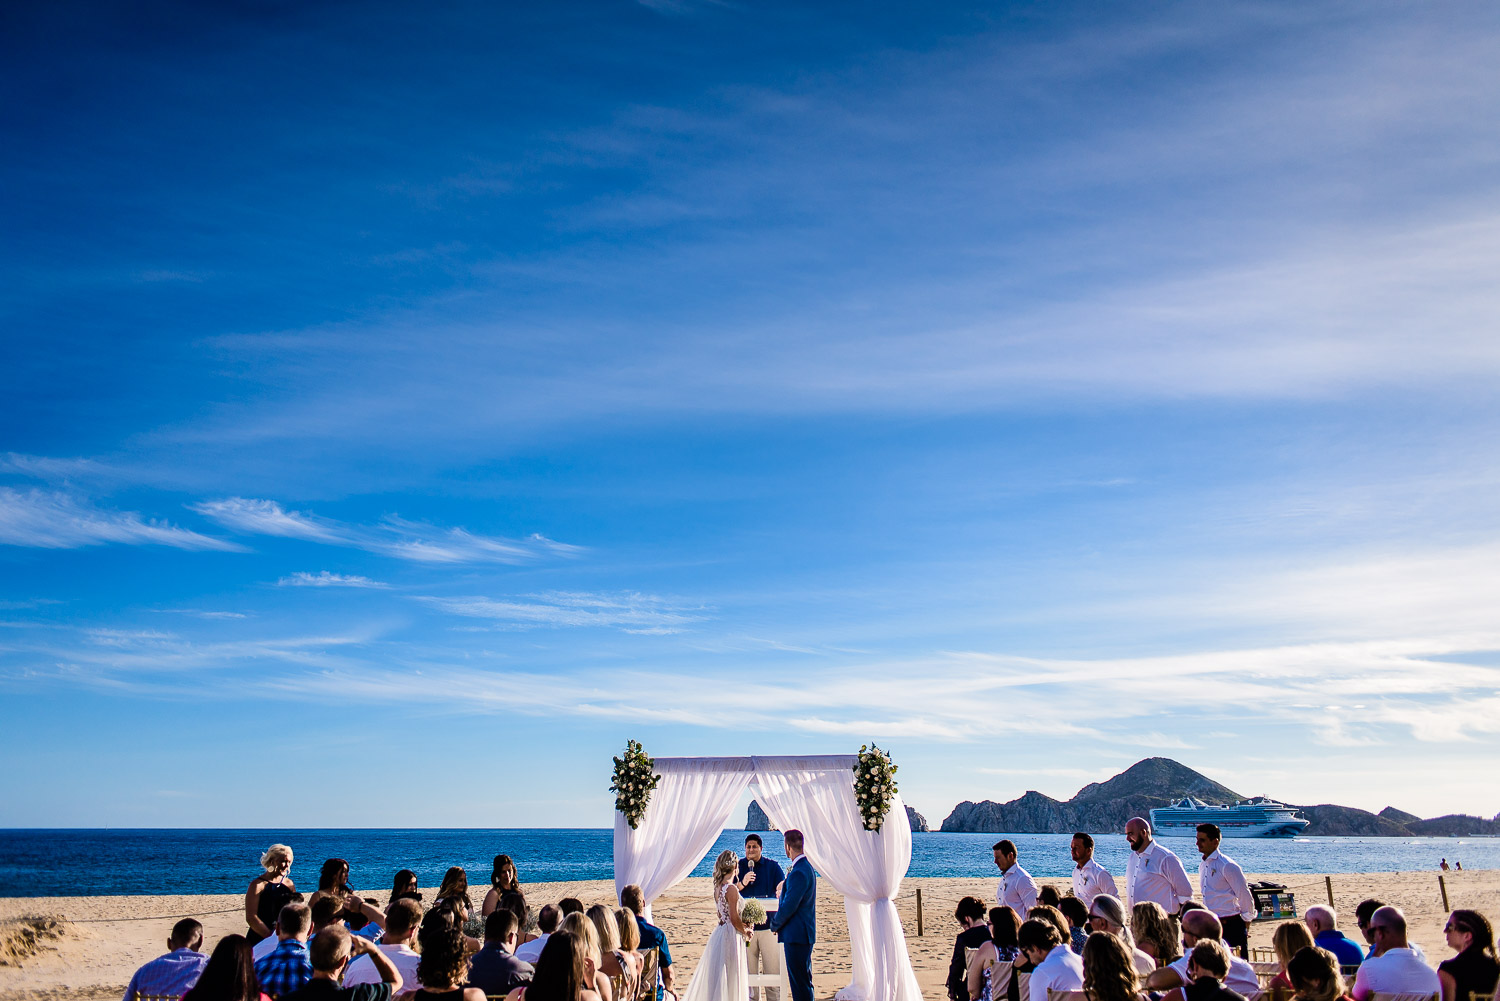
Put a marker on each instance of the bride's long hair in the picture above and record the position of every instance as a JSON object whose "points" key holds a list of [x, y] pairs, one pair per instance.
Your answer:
{"points": [[726, 865]]}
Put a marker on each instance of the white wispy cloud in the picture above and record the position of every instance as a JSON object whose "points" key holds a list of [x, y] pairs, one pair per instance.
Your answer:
{"points": [[48, 519], [629, 612], [392, 536], [205, 613], [325, 578]]}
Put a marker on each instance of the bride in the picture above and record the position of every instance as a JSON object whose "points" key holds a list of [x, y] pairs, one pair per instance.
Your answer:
{"points": [[721, 972]]}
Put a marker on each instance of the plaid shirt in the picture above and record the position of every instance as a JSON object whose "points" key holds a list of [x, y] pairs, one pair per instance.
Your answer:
{"points": [[285, 969]]}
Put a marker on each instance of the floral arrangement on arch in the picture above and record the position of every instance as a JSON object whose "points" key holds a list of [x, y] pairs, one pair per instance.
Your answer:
{"points": [[634, 779], [874, 785]]}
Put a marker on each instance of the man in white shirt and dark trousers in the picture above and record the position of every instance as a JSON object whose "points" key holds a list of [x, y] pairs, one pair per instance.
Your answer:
{"points": [[1058, 967], [1016, 889], [1225, 891], [1089, 877], [1152, 872], [1394, 968]]}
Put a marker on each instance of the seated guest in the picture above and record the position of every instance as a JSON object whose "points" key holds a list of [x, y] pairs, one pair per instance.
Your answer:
{"points": [[1323, 923], [1109, 969], [1207, 966], [1315, 976], [1078, 922], [562, 972], [402, 919], [515, 902], [330, 957], [1394, 968], [579, 924], [229, 974], [990, 973], [546, 923], [1107, 914], [175, 971], [1474, 969], [630, 936], [1055, 966], [1289, 938], [1154, 933], [495, 969], [614, 960], [1203, 926], [1046, 912], [1048, 895], [444, 967], [652, 937], [972, 934], [287, 967], [570, 905]]}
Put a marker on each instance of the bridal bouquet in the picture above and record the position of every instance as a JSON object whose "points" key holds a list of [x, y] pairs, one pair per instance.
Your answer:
{"points": [[752, 913], [874, 785], [634, 780]]}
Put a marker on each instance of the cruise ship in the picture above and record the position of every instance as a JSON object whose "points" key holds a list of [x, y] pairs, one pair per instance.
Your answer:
{"points": [[1254, 818]]}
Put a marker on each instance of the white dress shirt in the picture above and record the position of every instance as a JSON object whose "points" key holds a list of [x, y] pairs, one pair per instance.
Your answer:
{"points": [[1090, 880], [264, 948], [1062, 970], [1016, 890], [1225, 891], [531, 951], [1395, 971], [362, 968], [1241, 976], [1156, 874]]}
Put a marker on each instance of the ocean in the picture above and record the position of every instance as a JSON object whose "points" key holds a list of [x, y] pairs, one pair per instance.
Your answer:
{"points": [[35, 863]]}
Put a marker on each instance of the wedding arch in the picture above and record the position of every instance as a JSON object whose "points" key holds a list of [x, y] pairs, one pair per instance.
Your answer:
{"points": [[690, 808]]}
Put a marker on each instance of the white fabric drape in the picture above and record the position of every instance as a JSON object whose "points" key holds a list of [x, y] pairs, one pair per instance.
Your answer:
{"points": [[687, 811], [816, 796]]}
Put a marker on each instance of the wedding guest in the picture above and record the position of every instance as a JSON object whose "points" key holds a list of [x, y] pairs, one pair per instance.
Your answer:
{"points": [[579, 924], [614, 960], [404, 885], [630, 935], [1289, 938], [1016, 889], [1474, 969], [546, 923], [503, 880], [326, 913], [1203, 926], [1056, 966], [495, 968], [1395, 968], [229, 974], [1078, 922], [570, 905], [652, 937], [269, 892], [287, 967], [1055, 916], [515, 902], [1089, 877], [1154, 933], [1225, 890], [759, 877], [330, 957], [1109, 972], [562, 972], [1107, 915], [177, 969], [1048, 895], [402, 919], [973, 933], [455, 889], [444, 967], [1323, 923], [1362, 913], [1207, 968], [990, 975], [1152, 872], [1315, 976]]}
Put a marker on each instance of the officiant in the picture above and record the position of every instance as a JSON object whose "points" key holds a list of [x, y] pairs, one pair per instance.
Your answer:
{"points": [[759, 877]]}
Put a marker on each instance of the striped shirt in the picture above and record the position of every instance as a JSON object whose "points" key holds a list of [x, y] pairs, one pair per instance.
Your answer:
{"points": [[171, 974]]}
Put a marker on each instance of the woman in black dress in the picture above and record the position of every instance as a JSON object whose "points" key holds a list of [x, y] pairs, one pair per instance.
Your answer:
{"points": [[269, 893], [974, 933], [1474, 970]]}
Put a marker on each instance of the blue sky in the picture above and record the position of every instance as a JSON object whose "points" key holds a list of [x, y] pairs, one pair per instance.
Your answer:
{"points": [[436, 398]]}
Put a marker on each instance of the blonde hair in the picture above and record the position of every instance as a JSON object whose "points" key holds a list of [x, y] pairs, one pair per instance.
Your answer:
{"points": [[630, 931], [727, 862], [609, 931], [1290, 938], [579, 924], [274, 856], [1149, 924]]}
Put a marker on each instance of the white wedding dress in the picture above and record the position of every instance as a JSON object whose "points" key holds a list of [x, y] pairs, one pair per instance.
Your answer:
{"points": [[720, 975]]}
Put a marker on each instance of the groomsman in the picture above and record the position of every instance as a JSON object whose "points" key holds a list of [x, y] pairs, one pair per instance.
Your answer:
{"points": [[1016, 889], [1089, 877], [1225, 891], [1152, 872]]}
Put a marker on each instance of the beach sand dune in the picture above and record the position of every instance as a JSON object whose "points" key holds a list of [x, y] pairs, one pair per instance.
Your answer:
{"points": [[100, 941]]}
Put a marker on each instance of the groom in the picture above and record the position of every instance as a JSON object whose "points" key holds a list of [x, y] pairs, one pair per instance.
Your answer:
{"points": [[795, 921]]}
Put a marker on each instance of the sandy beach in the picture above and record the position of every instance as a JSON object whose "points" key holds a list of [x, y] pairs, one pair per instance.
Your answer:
{"points": [[98, 942]]}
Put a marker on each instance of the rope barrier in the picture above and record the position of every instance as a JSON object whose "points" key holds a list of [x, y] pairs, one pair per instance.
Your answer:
{"points": [[154, 917]]}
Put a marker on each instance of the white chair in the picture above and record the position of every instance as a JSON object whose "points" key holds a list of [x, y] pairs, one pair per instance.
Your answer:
{"points": [[1265, 972], [777, 980], [1023, 985]]}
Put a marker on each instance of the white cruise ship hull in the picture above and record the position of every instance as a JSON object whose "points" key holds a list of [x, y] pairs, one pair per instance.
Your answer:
{"points": [[1284, 829]]}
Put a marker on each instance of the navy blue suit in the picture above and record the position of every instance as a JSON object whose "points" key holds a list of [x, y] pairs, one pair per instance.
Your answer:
{"points": [[796, 926]]}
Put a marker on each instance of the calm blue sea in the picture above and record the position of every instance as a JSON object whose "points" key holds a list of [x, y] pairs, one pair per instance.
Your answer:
{"points": [[37, 863]]}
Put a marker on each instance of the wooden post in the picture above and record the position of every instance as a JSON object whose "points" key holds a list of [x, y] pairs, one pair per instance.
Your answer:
{"points": [[1329, 881], [1443, 885], [919, 912]]}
